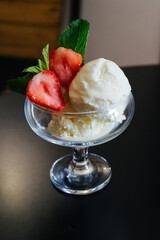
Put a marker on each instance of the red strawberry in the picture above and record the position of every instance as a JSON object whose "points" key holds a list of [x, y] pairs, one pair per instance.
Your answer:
{"points": [[65, 63], [44, 89]]}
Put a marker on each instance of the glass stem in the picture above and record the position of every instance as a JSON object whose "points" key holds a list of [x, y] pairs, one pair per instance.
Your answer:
{"points": [[80, 164], [80, 155]]}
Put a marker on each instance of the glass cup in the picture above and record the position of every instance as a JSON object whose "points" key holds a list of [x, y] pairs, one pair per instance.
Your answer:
{"points": [[81, 172]]}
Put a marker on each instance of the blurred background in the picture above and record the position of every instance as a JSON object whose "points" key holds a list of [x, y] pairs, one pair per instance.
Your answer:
{"points": [[126, 31]]}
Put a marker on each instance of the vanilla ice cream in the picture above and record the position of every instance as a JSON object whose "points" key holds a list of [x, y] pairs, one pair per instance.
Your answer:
{"points": [[78, 128], [99, 85]]}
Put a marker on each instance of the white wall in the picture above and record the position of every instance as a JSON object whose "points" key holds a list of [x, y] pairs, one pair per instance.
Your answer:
{"points": [[125, 31]]}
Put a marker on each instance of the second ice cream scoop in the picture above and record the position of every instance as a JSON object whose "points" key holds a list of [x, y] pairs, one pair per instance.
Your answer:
{"points": [[99, 84]]}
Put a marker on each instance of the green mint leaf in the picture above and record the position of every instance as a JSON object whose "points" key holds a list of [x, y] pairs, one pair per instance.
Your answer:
{"points": [[33, 69], [45, 53], [20, 84], [41, 64], [75, 36]]}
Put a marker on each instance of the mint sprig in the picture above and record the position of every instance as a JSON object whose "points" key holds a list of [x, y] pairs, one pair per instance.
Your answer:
{"points": [[75, 36]]}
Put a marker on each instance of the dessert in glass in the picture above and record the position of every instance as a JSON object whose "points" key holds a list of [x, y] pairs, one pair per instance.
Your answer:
{"points": [[87, 120], [77, 105]]}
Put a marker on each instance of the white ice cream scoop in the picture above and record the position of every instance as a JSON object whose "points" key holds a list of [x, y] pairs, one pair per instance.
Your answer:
{"points": [[98, 85]]}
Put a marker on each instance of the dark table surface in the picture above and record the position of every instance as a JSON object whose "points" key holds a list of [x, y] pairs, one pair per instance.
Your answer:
{"points": [[31, 208]]}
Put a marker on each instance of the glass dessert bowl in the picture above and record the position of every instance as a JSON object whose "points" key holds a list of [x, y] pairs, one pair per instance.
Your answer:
{"points": [[80, 173]]}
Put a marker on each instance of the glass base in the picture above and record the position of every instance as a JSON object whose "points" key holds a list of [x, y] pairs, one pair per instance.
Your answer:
{"points": [[80, 178]]}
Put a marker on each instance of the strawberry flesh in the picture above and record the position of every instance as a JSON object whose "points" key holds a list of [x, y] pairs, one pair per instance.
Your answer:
{"points": [[44, 89], [65, 63]]}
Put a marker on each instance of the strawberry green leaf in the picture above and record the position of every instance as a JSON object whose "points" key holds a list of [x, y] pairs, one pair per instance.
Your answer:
{"points": [[20, 84], [75, 36]]}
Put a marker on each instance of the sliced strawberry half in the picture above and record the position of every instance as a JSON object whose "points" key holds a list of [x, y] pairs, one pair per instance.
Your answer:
{"points": [[65, 63], [44, 89]]}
